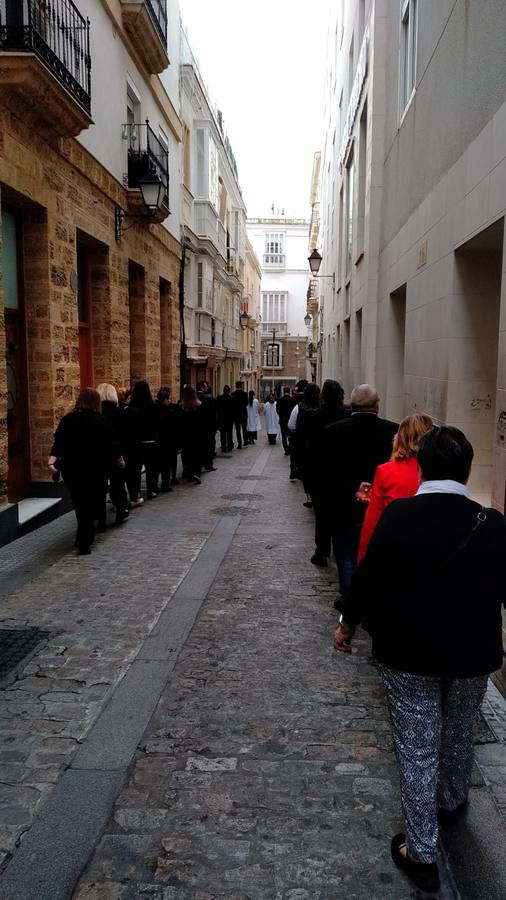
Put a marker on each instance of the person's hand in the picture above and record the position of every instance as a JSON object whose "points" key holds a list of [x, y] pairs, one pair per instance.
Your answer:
{"points": [[342, 638], [51, 465], [364, 492]]}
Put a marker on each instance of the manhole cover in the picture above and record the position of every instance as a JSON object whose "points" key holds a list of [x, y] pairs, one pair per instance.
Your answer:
{"points": [[233, 511], [243, 496], [16, 645]]}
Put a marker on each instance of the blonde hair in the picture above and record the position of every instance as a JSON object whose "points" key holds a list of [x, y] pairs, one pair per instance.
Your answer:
{"points": [[107, 392], [410, 431]]}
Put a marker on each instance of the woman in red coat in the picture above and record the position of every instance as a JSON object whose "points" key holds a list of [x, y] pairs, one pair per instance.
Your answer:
{"points": [[397, 478]]}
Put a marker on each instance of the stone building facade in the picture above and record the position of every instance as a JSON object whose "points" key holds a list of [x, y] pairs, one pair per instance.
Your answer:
{"points": [[251, 360], [87, 296], [413, 201]]}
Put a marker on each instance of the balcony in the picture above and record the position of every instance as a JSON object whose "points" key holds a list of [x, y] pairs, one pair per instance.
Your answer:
{"points": [[206, 221], [45, 63], [279, 327], [146, 24], [146, 155]]}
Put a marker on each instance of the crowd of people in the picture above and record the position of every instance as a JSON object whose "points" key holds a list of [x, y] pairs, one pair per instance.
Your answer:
{"points": [[419, 567], [419, 563]]}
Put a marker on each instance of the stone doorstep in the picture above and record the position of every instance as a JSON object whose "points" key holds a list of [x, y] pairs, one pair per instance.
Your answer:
{"points": [[31, 507]]}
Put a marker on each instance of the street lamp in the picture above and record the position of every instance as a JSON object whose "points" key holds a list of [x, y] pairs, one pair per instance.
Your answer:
{"points": [[315, 260], [152, 192], [307, 320], [244, 319]]}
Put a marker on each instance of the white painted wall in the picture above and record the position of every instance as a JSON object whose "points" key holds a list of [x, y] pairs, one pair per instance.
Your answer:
{"points": [[111, 67], [294, 278]]}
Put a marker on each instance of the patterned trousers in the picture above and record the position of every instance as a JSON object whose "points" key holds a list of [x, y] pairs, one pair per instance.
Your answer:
{"points": [[432, 726]]}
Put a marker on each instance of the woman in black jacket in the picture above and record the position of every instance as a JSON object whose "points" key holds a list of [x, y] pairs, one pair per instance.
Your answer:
{"points": [[116, 419], [84, 450], [142, 437], [430, 590]]}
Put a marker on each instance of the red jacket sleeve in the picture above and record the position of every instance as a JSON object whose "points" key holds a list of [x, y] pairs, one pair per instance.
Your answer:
{"points": [[375, 507]]}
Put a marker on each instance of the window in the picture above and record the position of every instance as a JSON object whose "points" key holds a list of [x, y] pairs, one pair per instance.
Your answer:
{"points": [[213, 173], [198, 334], [274, 251], [186, 157], [272, 355], [201, 160], [274, 310], [200, 280], [350, 172], [407, 68], [362, 176]]}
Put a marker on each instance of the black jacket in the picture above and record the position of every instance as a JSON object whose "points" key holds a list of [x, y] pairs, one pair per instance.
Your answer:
{"points": [[429, 609], [84, 442], [240, 403], [170, 425], [284, 407], [311, 424], [351, 451], [225, 406]]}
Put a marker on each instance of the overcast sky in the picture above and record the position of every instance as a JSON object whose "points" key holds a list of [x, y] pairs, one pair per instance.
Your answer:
{"points": [[263, 63]]}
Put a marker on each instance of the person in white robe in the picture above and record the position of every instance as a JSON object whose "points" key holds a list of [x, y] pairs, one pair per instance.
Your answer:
{"points": [[271, 419]]}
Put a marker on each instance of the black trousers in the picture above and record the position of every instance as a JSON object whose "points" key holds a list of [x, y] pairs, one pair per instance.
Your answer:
{"points": [[240, 430], [147, 455], [167, 466], [272, 438], [117, 490], [285, 436], [88, 491], [227, 437]]}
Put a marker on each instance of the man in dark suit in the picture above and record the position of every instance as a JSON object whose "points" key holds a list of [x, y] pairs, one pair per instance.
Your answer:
{"points": [[240, 398], [284, 406], [352, 449], [209, 411], [226, 410]]}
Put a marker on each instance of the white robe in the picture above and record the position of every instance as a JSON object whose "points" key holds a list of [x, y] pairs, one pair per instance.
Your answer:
{"points": [[253, 420], [271, 418]]}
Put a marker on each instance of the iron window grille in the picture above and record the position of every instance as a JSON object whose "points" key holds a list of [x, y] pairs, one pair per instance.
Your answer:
{"points": [[146, 155], [59, 36], [158, 12]]}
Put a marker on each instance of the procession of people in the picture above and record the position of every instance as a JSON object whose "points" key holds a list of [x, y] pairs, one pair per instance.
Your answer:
{"points": [[413, 550]]}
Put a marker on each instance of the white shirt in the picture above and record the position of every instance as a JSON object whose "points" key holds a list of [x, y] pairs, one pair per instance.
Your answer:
{"points": [[271, 418], [443, 486], [292, 421]]}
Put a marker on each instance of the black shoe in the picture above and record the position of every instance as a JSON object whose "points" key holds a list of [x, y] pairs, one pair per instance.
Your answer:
{"points": [[424, 875], [165, 489], [101, 526], [211, 469], [451, 816], [319, 560], [308, 504], [339, 603], [84, 551], [174, 480], [196, 480]]}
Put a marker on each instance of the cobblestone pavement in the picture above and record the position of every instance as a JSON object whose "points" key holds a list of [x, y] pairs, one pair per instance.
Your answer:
{"points": [[266, 770]]}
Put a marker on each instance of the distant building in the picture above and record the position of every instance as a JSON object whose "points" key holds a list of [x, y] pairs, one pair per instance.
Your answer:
{"points": [[281, 246], [251, 360]]}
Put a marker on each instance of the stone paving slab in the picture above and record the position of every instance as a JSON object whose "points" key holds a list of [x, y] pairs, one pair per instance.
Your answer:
{"points": [[267, 768], [99, 610]]}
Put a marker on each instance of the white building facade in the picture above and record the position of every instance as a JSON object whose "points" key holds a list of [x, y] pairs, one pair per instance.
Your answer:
{"points": [[214, 236], [281, 246]]}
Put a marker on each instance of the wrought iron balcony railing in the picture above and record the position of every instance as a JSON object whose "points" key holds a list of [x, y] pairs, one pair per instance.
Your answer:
{"points": [[59, 36], [274, 259], [146, 155], [158, 11]]}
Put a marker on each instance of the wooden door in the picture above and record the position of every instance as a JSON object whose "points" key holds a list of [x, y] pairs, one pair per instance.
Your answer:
{"points": [[84, 315], [18, 437]]}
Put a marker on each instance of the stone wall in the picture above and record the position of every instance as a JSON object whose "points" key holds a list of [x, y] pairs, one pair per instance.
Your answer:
{"points": [[64, 196]]}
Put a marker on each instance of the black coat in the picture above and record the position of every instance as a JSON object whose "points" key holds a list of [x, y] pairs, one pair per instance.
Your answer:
{"points": [[225, 406], [309, 432], [352, 449], [429, 609], [170, 425], [284, 407], [240, 403], [84, 442]]}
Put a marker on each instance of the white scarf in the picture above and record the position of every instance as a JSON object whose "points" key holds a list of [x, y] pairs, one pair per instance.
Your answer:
{"points": [[446, 486]]}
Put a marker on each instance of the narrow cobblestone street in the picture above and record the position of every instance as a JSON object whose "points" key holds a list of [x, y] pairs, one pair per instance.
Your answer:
{"points": [[204, 739]]}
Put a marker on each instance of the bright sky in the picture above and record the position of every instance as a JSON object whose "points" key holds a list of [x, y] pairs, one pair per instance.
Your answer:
{"points": [[262, 62]]}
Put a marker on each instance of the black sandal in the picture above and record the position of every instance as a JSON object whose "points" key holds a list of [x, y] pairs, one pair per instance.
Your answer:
{"points": [[424, 875]]}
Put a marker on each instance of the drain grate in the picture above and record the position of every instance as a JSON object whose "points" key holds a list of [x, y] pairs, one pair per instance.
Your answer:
{"points": [[243, 496], [233, 511], [16, 645]]}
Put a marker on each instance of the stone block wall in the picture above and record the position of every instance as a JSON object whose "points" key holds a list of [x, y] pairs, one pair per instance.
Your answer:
{"points": [[64, 194]]}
